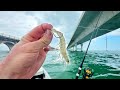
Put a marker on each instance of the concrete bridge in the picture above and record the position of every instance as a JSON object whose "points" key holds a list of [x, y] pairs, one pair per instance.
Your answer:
{"points": [[8, 40], [108, 21]]}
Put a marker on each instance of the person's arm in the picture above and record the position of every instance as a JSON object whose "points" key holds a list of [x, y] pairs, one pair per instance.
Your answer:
{"points": [[28, 55]]}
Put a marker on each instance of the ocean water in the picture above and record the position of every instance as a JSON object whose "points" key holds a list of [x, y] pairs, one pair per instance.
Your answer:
{"points": [[106, 64]]}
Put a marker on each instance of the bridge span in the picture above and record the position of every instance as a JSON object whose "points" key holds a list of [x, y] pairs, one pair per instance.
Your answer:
{"points": [[8, 40], [108, 21]]}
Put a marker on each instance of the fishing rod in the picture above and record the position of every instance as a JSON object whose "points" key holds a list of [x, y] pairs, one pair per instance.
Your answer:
{"points": [[80, 66]]}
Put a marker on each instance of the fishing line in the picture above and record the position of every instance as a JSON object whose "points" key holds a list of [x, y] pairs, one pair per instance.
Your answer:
{"points": [[96, 28], [100, 29], [80, 66]]}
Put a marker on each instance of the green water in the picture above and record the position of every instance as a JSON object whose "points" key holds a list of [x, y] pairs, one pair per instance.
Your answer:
{"points": [[106, 64]]}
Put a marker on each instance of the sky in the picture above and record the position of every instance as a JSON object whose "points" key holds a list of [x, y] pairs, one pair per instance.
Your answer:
{"points": [[18, 23]]}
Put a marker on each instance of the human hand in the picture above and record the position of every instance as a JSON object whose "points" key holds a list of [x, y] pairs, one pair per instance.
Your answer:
{"points": [[28, 55]]}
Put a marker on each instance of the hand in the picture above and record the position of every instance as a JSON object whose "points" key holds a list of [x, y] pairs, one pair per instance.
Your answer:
{"points": [[28, 55]]}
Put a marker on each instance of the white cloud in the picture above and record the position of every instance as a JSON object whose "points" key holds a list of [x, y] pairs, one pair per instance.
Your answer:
{"points": [[114, 33], [18, 23], [64, 21], [94, 40]]}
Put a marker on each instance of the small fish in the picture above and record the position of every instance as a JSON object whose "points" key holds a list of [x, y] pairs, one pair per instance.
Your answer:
{"points": [[62, 44]]}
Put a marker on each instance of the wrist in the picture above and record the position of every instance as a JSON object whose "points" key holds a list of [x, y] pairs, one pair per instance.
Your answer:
{"points": [[4, 72]]}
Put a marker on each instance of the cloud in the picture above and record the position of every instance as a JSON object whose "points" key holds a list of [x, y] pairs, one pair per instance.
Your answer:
{"points": [[64, 21], [18, 23], [114, 33]]}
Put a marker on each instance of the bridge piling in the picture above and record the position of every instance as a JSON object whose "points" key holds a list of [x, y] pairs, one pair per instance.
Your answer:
{"points": [[82, 47]]}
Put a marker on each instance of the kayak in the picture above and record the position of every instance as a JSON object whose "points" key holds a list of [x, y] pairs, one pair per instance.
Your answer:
{"points": [[41, 74]]}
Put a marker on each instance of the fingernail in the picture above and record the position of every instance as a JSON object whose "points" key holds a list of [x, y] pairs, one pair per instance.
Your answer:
{"points": [[50, 26], [48, 32]]}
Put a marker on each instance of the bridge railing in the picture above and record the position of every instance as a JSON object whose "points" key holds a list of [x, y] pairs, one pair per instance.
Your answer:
{"points": [[9, 36]]}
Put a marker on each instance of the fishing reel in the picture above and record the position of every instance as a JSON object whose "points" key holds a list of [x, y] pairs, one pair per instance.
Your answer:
{"points": [[87, 74]]}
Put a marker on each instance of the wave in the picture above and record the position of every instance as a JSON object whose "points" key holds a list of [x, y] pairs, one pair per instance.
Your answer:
{"points": [[106, 75]]}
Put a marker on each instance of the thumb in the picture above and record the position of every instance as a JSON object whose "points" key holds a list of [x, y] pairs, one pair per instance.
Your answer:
{"points": [[45, 40]]}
